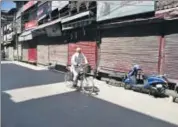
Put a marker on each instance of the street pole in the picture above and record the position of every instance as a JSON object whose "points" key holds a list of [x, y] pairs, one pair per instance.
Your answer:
{"points": [[16, 38]]}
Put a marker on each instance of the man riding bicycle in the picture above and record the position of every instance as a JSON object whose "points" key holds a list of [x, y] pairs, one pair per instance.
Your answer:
{"points": [[77, 60]]}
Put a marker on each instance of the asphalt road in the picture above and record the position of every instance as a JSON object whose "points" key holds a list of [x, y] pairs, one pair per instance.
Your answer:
{"points": [[71, 109]]}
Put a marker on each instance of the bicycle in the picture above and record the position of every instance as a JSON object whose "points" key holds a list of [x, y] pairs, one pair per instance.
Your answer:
{"points": [[84, 77]]}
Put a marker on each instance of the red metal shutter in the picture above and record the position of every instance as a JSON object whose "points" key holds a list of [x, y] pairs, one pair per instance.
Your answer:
{"points": [[58, 54], [171, 56], [121, 53], [25, 47], [42, 55], [32, 55], [88, 48]]}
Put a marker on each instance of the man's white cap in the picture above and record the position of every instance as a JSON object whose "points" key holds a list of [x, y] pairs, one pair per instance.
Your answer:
{"points": [[78, 49]]}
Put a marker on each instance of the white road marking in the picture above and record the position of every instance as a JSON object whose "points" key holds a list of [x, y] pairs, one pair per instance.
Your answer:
{"points": [[30, 66], [158, 108], [6, 62], [33, 67], [36, 92]]}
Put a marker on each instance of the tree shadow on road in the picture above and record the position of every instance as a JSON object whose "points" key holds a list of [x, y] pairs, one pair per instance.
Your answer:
{"points": [[72, 109]]}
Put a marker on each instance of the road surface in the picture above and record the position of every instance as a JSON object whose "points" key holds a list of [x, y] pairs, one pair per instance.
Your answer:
{"points": [[39, 98]]}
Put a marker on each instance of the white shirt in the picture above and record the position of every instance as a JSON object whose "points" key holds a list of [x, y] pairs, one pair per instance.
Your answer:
{"points": [[78, 58]]}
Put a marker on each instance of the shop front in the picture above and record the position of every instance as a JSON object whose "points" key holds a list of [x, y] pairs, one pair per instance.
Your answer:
{"points": [[125, 46]]}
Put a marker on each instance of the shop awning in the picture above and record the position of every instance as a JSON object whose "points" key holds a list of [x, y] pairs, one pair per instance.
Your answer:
{"points": [[47, 24], [6, 43], [77, 24], [25, 36], [129, 22], [80, 15]]}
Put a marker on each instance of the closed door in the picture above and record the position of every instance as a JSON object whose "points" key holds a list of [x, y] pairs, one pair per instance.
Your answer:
{"points": [[25, 47], [121, 53], [42, 54], [58, 53], [171, 56]]}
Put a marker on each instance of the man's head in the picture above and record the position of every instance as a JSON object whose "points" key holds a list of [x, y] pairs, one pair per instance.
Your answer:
{"points": [[78, 50]]}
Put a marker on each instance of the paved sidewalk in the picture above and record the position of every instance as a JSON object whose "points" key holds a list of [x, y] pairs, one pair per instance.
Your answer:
{"points": [[160, 108]]}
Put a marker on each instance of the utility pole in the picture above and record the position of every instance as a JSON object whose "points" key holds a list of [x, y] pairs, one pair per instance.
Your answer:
{"points": [[16, 39], [15, 32]]}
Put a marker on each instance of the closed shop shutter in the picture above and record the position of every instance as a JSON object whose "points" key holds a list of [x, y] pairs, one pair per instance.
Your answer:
{"points": [[20, 51], [88, 48], [25, 51], [42, 54], [58, 53], [10, 53], [15, 54], [171, 56], [121, 53], [32, 55], [6, 51]]}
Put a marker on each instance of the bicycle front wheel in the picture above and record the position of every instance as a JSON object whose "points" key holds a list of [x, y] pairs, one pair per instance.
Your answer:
{"points": [[68, 78], [89, 85]]}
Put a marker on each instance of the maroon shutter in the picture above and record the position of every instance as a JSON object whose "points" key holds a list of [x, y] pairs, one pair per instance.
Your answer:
{"points": [[121, 53], [88, 48]]}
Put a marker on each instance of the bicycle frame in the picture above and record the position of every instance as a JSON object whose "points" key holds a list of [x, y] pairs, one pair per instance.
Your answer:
{"points": [[82, 76]]}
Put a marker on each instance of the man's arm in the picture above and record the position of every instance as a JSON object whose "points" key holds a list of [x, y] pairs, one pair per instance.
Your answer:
{"points": [[73, 62], [85, 59]]}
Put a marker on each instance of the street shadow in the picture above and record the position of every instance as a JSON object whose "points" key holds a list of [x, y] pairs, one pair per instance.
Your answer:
{"points": [[72, 109], [14, 76]]}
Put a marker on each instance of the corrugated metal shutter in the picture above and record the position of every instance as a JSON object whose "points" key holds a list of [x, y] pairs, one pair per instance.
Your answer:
{"points": [[10, 53], [121, 53], [42, 54], [25, 51], [58, 53], [88, 48], [15, 54], [32, 55], [171, 56], [19, 51]]}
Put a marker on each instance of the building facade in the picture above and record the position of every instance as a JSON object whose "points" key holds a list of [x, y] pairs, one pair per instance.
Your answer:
{"points": [[114, 35]]}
